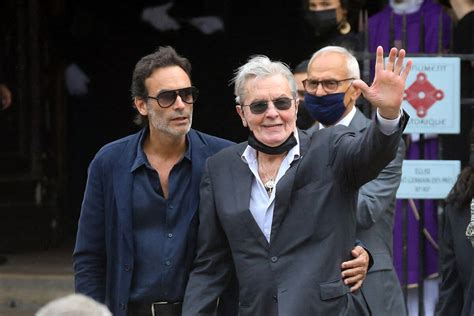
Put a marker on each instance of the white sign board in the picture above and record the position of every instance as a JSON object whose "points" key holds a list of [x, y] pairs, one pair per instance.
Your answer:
{"points": [[432, 95], [428, 179]]}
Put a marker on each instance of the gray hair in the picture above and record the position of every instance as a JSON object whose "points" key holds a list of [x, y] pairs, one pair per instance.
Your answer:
{"points": [[352, 63], [74, 305], [257, 67]]}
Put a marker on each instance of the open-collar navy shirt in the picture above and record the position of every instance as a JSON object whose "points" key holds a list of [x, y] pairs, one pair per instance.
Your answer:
{"points": [[162, 233]]}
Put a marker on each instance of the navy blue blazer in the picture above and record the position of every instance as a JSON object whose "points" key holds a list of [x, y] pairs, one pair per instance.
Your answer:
{"points": [[103, 254]]}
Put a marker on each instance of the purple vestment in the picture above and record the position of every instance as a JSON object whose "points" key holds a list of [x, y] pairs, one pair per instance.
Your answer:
{"points": [[379, 34]]}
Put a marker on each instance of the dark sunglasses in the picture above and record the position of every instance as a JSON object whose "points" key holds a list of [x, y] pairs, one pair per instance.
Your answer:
{"points": [[260, 107], [166, 99]]}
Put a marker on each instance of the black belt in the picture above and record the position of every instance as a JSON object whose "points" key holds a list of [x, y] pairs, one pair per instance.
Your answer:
{"points": [[155, 309]]}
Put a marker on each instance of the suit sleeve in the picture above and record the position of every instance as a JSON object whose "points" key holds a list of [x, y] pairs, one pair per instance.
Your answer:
{"points": [[213, 265], [89, 253], [376, 196], [451, 293], [358, 159]]}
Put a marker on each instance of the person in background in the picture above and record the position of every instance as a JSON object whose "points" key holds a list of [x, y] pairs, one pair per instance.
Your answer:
{"points": [[332, 23], [419, 26], [456, 147], [329, 67], [5, 97], [280, 208], [5, 102], [457, 252], [304, 120]]}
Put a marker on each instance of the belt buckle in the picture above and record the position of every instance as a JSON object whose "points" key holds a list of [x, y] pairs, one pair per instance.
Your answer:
{"points": [[153, 307]]}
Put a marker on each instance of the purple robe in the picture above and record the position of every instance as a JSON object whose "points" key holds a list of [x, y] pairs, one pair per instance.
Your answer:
{"points": [[379, 29], [431, 225]]}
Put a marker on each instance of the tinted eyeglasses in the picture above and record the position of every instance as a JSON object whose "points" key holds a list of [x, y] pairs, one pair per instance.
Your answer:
{"points": [[167, 98], [260, 107], [330, 86]]}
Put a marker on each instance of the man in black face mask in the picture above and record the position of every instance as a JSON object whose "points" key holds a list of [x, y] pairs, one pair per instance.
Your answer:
{"points": [[330, 21], [330, 99], [303, 120]]}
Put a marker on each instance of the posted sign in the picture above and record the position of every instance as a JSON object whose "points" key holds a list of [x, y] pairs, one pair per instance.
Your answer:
{"points": [[428, 179], [432, 95]]}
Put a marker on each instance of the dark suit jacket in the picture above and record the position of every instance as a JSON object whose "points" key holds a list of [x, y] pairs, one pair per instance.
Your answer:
{"points": [[457, 266], [313, 230], [468, 309], [103, 255], [375, 215]]}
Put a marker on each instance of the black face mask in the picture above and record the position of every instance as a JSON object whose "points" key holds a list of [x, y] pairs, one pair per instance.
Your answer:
{"points": [[304, 119], [289, 143], [323, 22]]}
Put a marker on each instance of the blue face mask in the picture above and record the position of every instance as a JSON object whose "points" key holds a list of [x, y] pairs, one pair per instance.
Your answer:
{"points": [[327, 109]]}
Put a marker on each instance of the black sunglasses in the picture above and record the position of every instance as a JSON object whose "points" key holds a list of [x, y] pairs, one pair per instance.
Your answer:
{"points": [[167, 98], [260, 107]]}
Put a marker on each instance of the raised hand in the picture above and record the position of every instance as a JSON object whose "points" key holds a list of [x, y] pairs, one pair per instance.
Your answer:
{"points": [[386, 91]]}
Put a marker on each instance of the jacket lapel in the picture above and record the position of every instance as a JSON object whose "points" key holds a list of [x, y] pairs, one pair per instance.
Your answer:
{"points": [[242, 184], [199, 154], [359, 121], [285, 187], [122, 184]]}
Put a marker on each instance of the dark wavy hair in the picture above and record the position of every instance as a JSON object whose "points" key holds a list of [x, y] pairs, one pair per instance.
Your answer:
{"points": [[165, 56], [463, 190]]}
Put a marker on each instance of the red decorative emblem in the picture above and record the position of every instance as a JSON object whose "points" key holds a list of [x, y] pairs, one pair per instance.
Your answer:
{"points": [[422, 95]]}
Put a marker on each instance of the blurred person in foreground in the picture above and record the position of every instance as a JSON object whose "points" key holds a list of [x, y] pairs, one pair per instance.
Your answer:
{"points": [[74, 305]]}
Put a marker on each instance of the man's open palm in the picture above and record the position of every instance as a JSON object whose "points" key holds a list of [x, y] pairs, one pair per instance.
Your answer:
{"points": [[387, 89]]}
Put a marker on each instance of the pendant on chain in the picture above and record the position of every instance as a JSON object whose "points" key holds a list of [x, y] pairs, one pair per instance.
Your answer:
{"points": [[269, 185]]}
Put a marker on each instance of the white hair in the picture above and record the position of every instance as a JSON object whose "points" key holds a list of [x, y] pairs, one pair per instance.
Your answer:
{"points": [[257, 67], [74, 305], [352, 65]]}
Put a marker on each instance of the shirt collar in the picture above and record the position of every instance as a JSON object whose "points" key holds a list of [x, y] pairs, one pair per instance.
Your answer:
{"points": [[346, 120], [250, 154], [141, 159]]}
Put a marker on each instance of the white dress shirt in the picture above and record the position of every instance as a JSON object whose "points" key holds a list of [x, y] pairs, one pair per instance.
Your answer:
{"points": [[386, 126], [261, 205]]}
